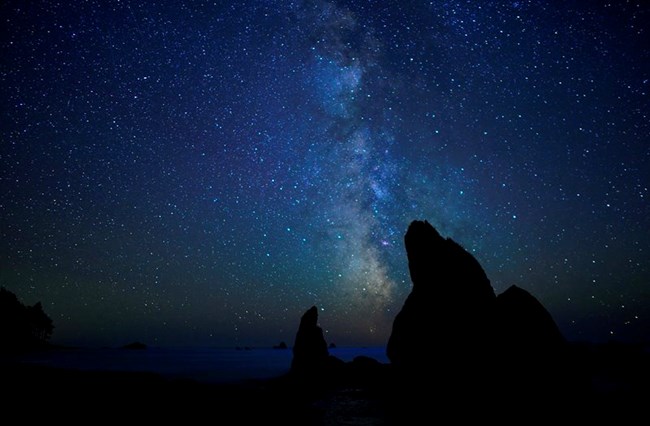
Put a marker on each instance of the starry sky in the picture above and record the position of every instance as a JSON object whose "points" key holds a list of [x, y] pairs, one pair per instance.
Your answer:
{"points": [[201, 173]]}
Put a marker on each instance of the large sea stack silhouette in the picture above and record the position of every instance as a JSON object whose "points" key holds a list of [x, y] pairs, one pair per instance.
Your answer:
{"points": [[453, 333], [452, 324], [450, 308]]}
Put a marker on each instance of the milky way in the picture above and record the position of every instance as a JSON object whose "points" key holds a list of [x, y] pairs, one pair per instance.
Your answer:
{"points": [[185, 173]]}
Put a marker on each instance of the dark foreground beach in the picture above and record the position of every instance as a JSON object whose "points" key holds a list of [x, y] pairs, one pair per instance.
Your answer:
{"points": [[37, 393], [613, 382]]}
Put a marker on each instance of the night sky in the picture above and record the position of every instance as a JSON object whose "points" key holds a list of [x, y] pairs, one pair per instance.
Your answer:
{"points": [[202, 173]]}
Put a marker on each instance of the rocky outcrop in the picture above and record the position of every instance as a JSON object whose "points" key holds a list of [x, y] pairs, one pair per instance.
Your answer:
{"points": [[523, 324], [453, 324], [450, 305], [454, 338], [310, 349], [530, 355]]}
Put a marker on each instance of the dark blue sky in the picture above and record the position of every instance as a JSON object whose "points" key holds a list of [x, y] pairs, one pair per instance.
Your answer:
{"points": [[201, 173]]}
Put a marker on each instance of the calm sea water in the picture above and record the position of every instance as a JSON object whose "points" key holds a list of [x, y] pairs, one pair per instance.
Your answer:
{"points": [[216, 365]]}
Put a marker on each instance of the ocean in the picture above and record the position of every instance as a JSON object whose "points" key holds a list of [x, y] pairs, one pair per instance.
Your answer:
{"points": [[212, 365]]}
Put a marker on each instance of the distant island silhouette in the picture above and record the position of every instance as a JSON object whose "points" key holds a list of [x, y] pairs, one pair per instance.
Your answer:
{"points": [[135, 346]]}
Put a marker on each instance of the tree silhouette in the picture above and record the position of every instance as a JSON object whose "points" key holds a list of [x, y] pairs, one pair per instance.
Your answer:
{"points": [[40, 324], [22, 326]]}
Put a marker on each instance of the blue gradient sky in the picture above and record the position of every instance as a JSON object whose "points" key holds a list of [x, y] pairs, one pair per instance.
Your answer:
{"points": [[194, 173]]}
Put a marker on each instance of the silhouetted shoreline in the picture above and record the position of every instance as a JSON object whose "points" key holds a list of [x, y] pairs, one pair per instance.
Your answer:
{"points": [[617, 376]]}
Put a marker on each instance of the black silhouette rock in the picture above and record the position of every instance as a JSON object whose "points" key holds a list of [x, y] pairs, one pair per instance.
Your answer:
{"points": [[310, 349], [454, 330], [530, 353], [522, 324], [364, 369], [136, 346], [280, 345], [450, 306]]}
